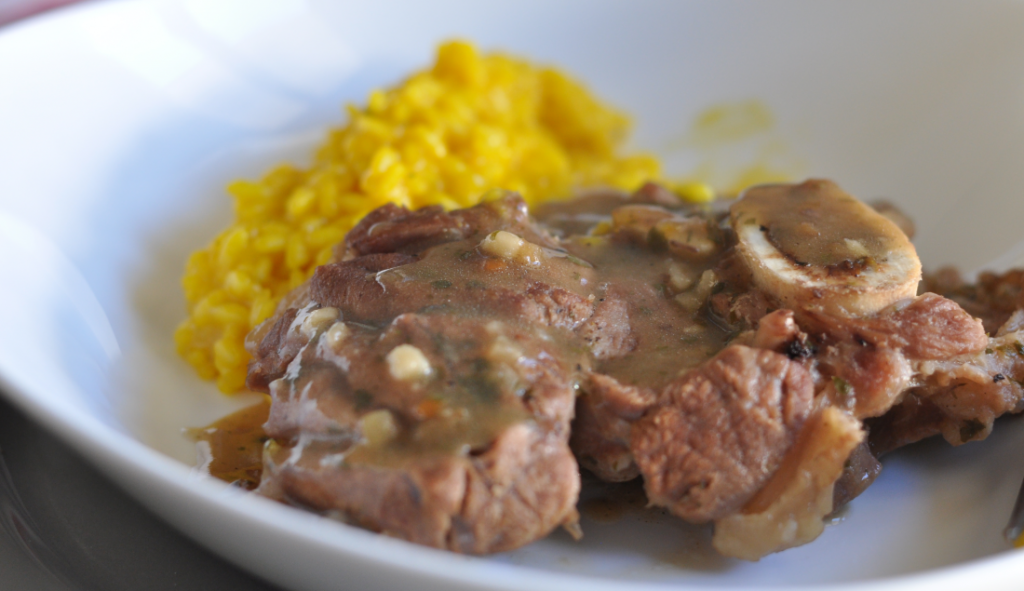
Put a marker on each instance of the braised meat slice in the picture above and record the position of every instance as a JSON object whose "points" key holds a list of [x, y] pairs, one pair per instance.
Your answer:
{"points": [[423, 386], [717, 434], [993, 298], [450, 347], [450, 432], [394, 229], [605, 412], [514, 492], [959, 398], [440, 380]]}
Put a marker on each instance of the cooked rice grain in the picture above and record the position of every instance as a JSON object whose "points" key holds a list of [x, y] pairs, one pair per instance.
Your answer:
{"points": [[445, 136]]}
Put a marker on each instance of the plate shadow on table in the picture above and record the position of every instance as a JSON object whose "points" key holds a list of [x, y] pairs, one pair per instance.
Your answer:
{"points": [[74, 529]]}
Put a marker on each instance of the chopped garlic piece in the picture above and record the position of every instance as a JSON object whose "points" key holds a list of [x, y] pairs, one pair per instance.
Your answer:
{"points": [[680, 279], [378, 427], [406, 362], [503, 350], [336, 335], [318, 319], [502, 244]]}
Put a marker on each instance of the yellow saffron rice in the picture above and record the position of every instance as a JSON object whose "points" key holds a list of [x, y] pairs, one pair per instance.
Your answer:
{"points": [[445, 136]]}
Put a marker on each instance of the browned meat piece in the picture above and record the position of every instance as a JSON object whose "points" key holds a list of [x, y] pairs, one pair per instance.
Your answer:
{"points": [[357, 288], [390, 229], [542, 304], [993, 299], [605, 411], [469, 454], [871, 361], [968, 393], [516, 491], [273, 352], [959, 401], [926, 327], [352, 285], [424, 384], [719, 432], [607, 332]]}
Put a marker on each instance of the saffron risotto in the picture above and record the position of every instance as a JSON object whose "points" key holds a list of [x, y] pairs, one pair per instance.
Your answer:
{"points": [[445, 136]]}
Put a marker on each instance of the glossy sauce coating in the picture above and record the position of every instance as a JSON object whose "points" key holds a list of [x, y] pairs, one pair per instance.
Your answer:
{"points": [[817, 224], [656, 262], [236, 445]]}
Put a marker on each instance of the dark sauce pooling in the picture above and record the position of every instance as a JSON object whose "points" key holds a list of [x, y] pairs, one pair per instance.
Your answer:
{"points": [[814, 224], [236, 445]]}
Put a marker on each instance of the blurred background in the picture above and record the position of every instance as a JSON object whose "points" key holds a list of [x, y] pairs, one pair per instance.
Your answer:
{"points": [[13, 10], [63, 526]]}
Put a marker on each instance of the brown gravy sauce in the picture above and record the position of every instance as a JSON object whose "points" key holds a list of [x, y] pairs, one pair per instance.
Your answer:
{"points": [[236, 444], [669, 339], [815, 223]]}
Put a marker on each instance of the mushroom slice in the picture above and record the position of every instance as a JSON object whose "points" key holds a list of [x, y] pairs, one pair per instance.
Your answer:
{"points": [[812, 245]]}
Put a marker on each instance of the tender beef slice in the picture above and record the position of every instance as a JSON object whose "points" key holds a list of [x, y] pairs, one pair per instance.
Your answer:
{"points": [[866, 381], [860, 470], [274, 351], [993, 299], [605, 411], [391, 229], [415, 504], [507, 213], [608, 332], [937, 328], [959, 398], [316, 403], [867, 363], [927, 327], [517, 491], [352, 286], [545, 305], [478, 460], [717, 433]]}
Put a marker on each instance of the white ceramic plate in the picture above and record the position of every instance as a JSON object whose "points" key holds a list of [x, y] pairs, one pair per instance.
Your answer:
{"points": [[120, 124]]}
